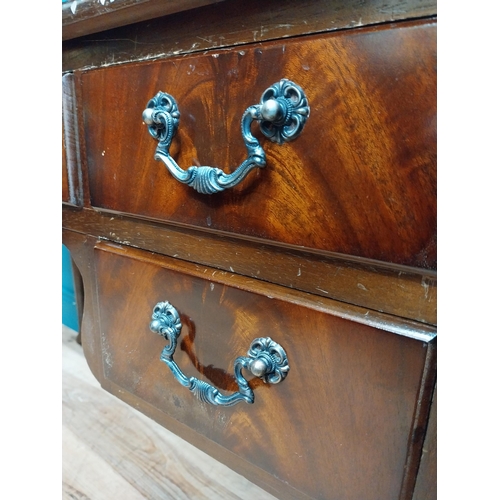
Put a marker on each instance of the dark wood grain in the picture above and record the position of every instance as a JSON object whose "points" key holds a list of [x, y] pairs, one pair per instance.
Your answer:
{"points": [[81, 248], [406, 292], [230, 23], [400, 326], [88, 16], [340, 425], [331, 249], [360, 180], [71, 165], [426, 484], [64, 176], [421, 421]]}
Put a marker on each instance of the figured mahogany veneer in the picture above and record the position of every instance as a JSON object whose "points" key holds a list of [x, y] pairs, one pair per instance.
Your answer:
{"points": [[348, 418], [330, 249], [360, 180]]}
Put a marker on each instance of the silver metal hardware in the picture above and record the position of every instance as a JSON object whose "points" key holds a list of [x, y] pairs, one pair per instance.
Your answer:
{"points": [[282, 113], [265, 359]]}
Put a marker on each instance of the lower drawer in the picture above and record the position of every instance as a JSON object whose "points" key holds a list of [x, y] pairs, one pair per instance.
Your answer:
{"points": [[347, 421]]}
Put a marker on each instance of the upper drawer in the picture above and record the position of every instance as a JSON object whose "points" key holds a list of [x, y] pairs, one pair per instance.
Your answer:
{"points": [[359, 180]]}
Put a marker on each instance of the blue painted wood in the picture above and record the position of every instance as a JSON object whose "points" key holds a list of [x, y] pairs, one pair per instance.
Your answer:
{"points": [[69, 309]]}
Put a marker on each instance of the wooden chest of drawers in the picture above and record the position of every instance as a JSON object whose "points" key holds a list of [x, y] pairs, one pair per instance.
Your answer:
{"points": [[328, 249]]}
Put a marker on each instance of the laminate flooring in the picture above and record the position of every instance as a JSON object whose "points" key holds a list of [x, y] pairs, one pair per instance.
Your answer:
{"points": [[111, 451]]}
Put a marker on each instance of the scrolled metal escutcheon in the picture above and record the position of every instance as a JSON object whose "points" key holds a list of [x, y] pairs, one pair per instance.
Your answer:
{"points": [[282, 113], [265, 359]]}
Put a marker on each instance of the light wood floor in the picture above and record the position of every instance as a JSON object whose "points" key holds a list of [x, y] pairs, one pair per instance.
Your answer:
{"points": [[113, 452]]}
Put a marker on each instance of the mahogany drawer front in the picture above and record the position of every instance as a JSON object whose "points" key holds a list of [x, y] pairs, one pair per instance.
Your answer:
{"points": [[359, 180], [339, 426]]}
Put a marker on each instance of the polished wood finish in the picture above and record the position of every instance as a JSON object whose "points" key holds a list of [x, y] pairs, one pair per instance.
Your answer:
{"points": [[406, 292], [64, 177], [88, 16], [231, 23], [366, 190], [362, 387], [72, 180], [110, 450], [330, 249]]}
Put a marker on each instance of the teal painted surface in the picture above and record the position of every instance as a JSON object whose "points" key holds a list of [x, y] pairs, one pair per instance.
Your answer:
{"points": [[69, 310]]}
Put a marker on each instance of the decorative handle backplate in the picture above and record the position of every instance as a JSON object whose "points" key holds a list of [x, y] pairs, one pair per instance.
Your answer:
{"points": [[265, 359], [281, 114]]}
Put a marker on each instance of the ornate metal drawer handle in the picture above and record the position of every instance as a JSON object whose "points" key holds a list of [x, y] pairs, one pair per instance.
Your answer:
{"points": [[265, 359], [281, 114]]}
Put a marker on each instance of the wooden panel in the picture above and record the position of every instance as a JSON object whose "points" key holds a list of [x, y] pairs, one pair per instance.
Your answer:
{"points": [[64, 177], [406, 292], [360, 180], [231, 23], [341, 425], [71, 165], [426, 484], [87, 16]]}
